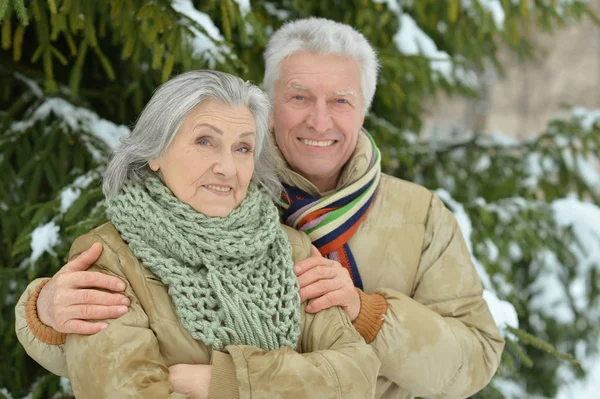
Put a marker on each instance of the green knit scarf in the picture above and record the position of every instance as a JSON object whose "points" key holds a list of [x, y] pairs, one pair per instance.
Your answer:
{"points": [[231, 279]]}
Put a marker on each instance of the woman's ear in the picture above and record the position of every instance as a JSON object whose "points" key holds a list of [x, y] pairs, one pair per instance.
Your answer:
{"points": [[154, 164]]}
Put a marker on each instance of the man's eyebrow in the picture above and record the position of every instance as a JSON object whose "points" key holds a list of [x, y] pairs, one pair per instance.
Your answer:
{"points": [[219, 131], [345, 93], [298, 87]]}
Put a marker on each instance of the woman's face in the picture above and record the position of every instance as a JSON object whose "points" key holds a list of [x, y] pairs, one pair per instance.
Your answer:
{"points": [[210, 161]]}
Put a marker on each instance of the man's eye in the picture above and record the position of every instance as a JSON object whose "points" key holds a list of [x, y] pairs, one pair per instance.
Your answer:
{"points": [[298, 97], [341, 101]]}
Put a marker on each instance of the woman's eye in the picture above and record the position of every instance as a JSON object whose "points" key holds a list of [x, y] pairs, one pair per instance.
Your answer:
{"points": [[244, 149], [203, 141]]}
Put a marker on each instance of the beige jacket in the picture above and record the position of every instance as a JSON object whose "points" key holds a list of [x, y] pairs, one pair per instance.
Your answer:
{"points": [[438, 339], [130, 358]]}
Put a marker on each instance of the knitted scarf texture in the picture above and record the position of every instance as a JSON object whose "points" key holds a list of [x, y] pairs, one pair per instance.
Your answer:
{"points": [[330, 221], [231, 279]]}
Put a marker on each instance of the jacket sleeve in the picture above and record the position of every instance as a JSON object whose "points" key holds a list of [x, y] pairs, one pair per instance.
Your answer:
{"points": [[441, 342], [51, 357], [124, 359], [332, 361]]}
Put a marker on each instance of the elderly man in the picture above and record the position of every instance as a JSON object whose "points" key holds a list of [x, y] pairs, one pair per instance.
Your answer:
{"points": [[393, 256]]}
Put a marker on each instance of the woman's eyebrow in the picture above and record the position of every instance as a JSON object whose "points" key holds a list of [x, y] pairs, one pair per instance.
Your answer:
{"points": [[219, 131], [211, 127]]}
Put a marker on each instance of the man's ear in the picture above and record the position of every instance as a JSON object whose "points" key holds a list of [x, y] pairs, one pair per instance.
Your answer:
{"points": [[154, 164]]}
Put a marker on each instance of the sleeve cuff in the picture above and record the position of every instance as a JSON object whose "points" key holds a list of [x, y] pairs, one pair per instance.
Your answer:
{"points": [[372, 314], [44, 333], [223, 380]]}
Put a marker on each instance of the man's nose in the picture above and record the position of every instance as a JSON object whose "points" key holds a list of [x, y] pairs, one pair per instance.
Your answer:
{"points": [[319, 118], [225, 164]]}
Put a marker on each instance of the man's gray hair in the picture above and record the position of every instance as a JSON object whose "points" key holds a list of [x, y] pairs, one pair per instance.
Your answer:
{"points": [[321, 36], [165, 112]]}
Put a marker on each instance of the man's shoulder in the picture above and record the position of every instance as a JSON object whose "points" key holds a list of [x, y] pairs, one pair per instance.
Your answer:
{"points": [[401, 198], [389, 182]]}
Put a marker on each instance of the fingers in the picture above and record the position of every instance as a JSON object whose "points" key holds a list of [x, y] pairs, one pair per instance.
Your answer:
{"points": [[333, 298], [84, 260], [95, 297], [315, 274], [320, 287], [307, 264], [83, 327], [93, 312], [93, 279]]}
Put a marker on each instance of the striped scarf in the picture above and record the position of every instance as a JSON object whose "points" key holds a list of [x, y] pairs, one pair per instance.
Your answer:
{"points": [[330, 221]]}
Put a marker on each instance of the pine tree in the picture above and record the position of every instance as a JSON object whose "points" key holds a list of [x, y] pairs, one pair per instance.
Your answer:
{"points": [[75, 74]]}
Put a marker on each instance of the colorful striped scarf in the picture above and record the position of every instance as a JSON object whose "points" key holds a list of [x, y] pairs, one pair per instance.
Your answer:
{"points": [[330, 221]]}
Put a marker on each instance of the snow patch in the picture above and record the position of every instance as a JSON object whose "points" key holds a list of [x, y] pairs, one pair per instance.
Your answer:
{"points": [[70, 194], [43, 239], [493, 7], [243, 6], [67, 197], [588, 117], [203, 45], [76, 118]]}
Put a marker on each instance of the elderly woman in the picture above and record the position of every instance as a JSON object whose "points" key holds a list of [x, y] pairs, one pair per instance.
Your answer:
{"points": [[209, 270]]}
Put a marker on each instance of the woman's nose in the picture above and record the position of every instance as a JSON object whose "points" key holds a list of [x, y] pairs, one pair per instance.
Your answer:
{"points": [[225, 165]]}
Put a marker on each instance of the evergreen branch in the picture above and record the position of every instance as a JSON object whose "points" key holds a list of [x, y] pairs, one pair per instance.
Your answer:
{"points": [[21, 11], [531, 340], [3, 8]]}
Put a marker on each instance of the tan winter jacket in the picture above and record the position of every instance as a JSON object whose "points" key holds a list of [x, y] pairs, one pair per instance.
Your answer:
{"points": [[438, 338], [130, 358]]}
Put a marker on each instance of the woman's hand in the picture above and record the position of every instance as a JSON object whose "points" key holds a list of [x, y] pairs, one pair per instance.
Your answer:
{"points": [[191, 379]]}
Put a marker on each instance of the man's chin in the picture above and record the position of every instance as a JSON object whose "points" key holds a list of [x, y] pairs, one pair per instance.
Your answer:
{"points": [[315, 171]]}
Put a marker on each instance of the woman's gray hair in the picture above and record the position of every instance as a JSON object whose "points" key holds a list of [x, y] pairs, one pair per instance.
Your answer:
{"points": [[321, 36], [165, 112]]}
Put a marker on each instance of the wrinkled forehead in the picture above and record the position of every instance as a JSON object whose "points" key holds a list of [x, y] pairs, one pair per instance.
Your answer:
{"points": [[331, 73]]}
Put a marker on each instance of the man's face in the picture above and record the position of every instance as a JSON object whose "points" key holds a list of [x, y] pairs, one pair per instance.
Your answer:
{"points": [[318, 112]]}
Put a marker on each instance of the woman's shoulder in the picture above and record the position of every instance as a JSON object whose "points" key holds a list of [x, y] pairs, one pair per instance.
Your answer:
{"points": [[106, 234], [300, 243], [111, 241]]}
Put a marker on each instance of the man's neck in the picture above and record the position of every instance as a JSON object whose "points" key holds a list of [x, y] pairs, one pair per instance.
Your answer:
{"points": [[323, 184]]}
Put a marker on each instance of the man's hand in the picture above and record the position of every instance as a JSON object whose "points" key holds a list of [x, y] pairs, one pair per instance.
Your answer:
{"points": [[191, 379], [328, 281], [69, 298]]}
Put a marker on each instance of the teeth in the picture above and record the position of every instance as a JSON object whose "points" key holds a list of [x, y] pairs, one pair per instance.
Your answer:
{"points": [[218, 188], [318, 143]]}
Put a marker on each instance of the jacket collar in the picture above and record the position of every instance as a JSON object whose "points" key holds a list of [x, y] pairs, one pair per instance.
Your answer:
{"points": [[356, 167]]}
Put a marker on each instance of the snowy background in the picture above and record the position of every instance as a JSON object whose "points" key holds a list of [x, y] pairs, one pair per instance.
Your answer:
{"points": [[554, 297]]}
